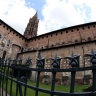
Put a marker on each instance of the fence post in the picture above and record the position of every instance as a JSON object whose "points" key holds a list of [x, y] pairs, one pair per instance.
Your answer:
{"points": [[94, 80], [72, 81], [92, 56], [0, 75], [56, 65], [40, 65], [22, 79], [7, 74], [37, 82], [18, 86], [28, 63], [74, 62], [25, 89], [4, 73], [93, 61]]}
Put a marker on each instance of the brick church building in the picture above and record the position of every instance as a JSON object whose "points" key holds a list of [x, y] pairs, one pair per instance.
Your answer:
{"points": [[80, 39]]}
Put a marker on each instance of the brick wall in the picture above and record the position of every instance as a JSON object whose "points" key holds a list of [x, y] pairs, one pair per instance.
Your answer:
{"points": [[7, 34], [67, 36], [52, 42]]}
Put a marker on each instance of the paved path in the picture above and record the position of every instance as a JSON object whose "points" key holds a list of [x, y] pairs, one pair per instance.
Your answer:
{"points": [[4, 93]]}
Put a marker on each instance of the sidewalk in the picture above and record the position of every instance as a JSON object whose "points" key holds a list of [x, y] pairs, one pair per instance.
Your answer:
{"points": [[4, 93]]}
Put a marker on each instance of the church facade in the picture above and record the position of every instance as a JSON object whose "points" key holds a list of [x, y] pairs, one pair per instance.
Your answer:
{"points": [[79, 39]]}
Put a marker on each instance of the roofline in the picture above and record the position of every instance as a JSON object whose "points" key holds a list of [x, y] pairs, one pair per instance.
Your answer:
{"points": [[13, 29], [52, 32], [63, 29]]}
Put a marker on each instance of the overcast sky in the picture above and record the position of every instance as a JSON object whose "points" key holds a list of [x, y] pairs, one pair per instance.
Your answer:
{"points": [[52, 14]]}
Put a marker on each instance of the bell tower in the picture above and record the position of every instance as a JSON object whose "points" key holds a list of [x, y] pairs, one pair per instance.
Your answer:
{"points": [[32, 27]]}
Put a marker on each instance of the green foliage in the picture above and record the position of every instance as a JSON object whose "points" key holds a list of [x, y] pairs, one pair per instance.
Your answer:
{"points": [[31, 92]]}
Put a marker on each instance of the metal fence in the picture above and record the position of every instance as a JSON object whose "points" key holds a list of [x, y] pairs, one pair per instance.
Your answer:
{"points": [[7, 66]]}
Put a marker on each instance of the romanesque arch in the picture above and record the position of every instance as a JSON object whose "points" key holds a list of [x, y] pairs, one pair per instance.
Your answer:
{"points": [[15, 50]]}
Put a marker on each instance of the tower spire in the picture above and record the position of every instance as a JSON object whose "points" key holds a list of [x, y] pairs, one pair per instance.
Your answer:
{"points": [[32, 27]]}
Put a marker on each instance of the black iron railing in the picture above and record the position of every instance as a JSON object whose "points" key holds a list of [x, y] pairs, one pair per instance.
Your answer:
{"points": [[7, 66]]}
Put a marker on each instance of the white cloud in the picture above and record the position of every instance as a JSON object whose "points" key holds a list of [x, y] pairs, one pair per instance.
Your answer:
{"points": [[16, 13], [89, 4], [41, 28], [63, 13], [57, 13], [60, 13]]}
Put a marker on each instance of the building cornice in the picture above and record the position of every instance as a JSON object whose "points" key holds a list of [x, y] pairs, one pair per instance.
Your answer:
{"points": [[60, 46]]}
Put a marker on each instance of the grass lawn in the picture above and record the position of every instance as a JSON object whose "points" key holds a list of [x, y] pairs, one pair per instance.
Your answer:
{"points": [[31, 92]]}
